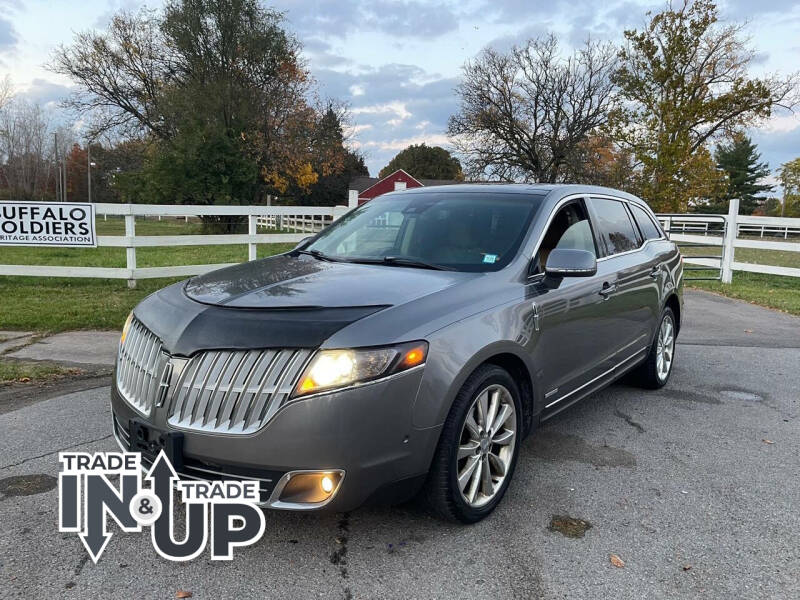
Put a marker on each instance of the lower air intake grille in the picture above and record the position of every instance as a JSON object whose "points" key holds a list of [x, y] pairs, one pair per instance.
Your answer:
{"points": [[234, 391]]}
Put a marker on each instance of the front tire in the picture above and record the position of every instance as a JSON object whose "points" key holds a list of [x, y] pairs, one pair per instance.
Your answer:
{"points": [[478, 448], [655, 371]]}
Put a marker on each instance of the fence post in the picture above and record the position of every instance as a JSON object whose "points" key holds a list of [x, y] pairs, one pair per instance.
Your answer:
{"points": [[130, 251], [252, 229], [730, 239]]}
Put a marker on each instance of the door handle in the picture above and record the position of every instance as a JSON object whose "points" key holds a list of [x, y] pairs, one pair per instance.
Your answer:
{"points": [[607, 290]]}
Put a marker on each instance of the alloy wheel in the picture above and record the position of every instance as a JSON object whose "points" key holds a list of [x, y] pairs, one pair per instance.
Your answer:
{"points": [[665, 348], [486, 445]]}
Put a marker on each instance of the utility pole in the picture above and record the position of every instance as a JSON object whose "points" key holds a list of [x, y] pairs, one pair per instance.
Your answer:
{"points": [[89, 169], [58, 169]]}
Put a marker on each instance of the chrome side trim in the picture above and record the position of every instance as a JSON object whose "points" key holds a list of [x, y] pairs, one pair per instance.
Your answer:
{"points": [[588, 383]]}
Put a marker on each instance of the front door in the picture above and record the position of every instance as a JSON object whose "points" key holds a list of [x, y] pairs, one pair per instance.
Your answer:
{"points": [[568, 340]]}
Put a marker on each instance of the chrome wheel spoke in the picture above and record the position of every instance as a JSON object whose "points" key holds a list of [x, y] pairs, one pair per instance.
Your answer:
{"points": [[473, 464], [472, 426], [503, 438], [494, 405], [468, 449], [483, 408], [487, 487], [475, 482], [497, 464], [501, 418]]}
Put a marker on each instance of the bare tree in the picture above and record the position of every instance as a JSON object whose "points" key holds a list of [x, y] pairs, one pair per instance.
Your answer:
{"points": [[6, 91], [25, 149], [525, 113]]}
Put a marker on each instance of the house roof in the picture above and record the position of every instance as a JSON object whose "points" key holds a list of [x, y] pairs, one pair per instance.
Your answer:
{"points": [[363, 183]]}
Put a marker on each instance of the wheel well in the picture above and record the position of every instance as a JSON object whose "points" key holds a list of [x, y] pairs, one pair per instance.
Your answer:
{"points": [[519, 371], [675, 305]]}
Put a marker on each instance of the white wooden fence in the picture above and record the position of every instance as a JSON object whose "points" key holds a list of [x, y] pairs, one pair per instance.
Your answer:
{"points": [[705, 230], [295, 223], [310, 216]]}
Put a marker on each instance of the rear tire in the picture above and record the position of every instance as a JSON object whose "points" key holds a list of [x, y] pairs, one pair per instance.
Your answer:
{"points": [[478, 447], [655, 371]]}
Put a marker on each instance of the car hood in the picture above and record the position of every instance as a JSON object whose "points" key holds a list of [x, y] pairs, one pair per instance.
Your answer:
{"points": [[301, 281]]}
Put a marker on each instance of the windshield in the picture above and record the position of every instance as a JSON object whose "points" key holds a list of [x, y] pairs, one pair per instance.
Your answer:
{"points": [[461, 231]]}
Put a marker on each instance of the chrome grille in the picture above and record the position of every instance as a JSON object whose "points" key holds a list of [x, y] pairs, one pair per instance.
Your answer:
{"points": [[234, 391], [140, 363]]}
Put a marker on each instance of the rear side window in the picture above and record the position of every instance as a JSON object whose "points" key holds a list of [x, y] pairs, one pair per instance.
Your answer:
{"points": [[614, 226], [649, 229]]}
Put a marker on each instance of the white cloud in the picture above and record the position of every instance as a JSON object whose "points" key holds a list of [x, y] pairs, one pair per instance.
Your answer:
{"points": [[782, 123], [395, 108]]}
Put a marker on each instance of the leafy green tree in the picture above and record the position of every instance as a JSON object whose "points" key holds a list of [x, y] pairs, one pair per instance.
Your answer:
{"points": [[741, 161], [218, 89], [789, 176], [425, 162], [685, 82]]}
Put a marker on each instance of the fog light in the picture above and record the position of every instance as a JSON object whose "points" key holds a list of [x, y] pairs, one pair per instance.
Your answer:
{"points": [[307, 489]]}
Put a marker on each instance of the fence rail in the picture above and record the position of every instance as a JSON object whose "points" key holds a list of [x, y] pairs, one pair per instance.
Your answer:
{"points": [[290, 224], [696, 230], [309, 219]]}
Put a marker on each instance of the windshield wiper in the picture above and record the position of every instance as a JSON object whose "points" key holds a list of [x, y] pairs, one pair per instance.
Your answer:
{"points": [[318, 255], [413, 262]]}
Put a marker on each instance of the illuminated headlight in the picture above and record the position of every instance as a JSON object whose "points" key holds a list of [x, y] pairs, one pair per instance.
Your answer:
{"points": [[331, 369], [125, 329]]}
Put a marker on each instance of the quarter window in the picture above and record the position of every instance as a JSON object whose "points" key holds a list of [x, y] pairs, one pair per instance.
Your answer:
{"points": [[649, 229], [614, 225]]}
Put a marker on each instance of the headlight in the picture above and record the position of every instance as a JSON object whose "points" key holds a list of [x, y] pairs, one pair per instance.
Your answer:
{"points": [[125, 329], [331, 369]]}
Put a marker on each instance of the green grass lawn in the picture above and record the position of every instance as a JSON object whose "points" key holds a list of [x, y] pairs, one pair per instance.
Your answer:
{"points": [[30, 372], [59, 304], [772, 291]]}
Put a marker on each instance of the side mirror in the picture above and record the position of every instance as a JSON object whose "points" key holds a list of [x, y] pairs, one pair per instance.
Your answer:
{"points": [[564, 262]]}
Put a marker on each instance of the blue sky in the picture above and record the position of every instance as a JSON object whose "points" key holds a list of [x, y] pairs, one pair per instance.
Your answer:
{"points": [[396, 62]]}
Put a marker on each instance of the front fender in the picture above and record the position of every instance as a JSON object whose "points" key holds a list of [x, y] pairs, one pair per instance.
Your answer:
{"points": [[457, 350]]}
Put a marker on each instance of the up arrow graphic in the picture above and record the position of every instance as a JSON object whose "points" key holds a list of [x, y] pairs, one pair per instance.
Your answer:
{"points": [[161, 476]]}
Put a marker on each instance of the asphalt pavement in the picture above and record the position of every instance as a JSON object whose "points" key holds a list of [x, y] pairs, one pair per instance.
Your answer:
{"points": [[694, 488]]}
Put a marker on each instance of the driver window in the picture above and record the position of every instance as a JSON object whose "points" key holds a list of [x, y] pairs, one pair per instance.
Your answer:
{"points": [[569, 229]]}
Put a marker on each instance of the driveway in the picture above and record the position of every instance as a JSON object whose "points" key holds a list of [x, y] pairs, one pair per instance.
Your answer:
{"points": [[694, 487]]}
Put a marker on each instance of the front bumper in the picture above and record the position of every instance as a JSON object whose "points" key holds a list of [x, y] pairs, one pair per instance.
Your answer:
{"points": [[364, 431]]}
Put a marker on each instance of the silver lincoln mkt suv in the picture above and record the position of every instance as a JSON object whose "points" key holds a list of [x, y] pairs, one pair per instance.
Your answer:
{"points": [[409, 347]]}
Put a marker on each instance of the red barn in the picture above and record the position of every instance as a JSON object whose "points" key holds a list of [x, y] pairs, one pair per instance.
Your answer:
{"points": [[370, 187]]}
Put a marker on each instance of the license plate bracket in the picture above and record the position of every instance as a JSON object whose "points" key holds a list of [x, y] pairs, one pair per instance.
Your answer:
{"points": [[149, 441]]}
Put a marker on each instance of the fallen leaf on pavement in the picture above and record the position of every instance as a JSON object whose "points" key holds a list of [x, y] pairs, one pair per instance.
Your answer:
{"points": [[766, 441], [616, 561], [687, 567], [183, 594]]}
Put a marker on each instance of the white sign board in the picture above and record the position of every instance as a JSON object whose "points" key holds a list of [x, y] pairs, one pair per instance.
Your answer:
{"points": [[47, 224]]}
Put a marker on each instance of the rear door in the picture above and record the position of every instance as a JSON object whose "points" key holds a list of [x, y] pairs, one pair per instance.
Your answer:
{"points": [[626, 286]]}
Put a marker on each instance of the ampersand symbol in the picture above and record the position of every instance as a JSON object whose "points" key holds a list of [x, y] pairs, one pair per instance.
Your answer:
{"points": [[144, 507]]}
